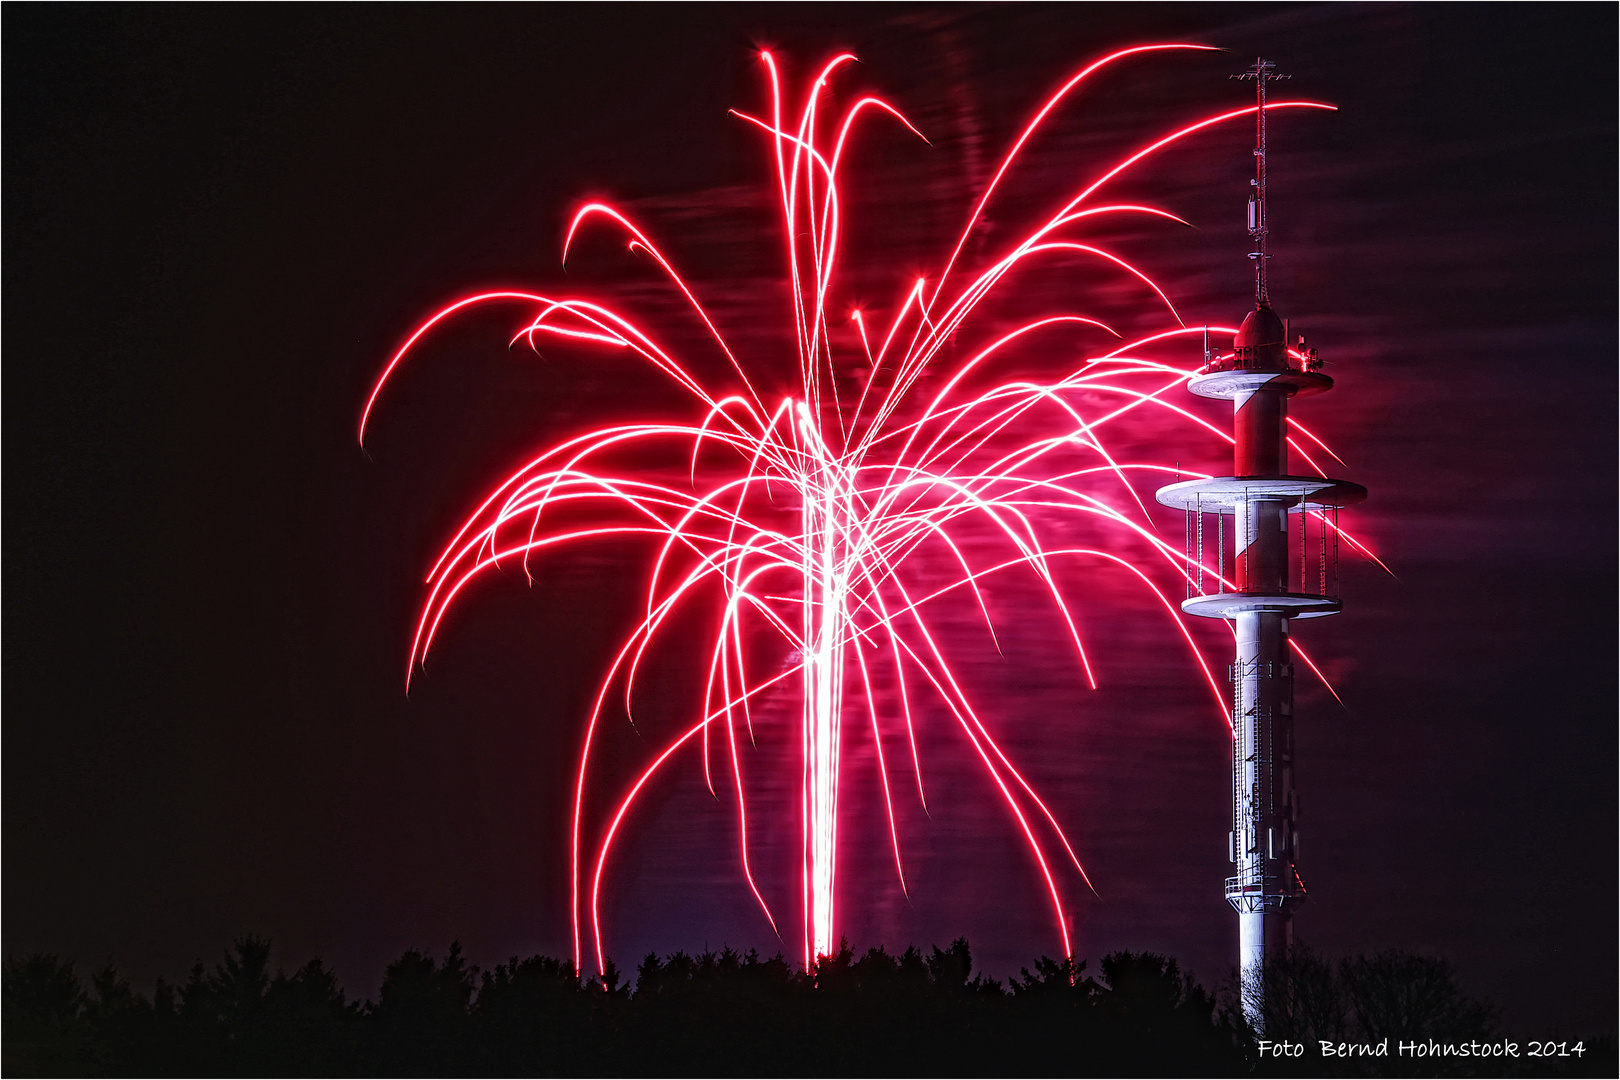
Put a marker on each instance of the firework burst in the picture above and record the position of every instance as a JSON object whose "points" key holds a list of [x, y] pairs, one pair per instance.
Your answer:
{"points": [[823, 517]]}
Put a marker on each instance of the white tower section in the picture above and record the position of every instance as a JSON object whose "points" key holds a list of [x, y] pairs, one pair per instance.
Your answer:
{"points": [[1238, 553]]}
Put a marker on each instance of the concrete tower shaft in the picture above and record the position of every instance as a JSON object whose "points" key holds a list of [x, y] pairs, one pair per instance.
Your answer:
{"points": [[1267, 886], [1260, 544], [1260, 422], [1253, 591]]}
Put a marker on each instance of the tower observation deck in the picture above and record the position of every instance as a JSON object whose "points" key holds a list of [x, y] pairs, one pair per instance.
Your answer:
{"points": [[1239, 558]]}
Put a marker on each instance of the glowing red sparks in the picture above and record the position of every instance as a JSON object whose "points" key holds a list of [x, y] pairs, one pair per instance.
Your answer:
{"points": [[867, 484]]}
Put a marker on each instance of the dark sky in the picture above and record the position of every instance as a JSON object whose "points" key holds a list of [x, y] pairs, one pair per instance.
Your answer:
{"points": [[219, 222]]}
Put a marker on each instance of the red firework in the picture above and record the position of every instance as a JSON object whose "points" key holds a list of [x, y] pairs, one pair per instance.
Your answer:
{"points": [[869, 485]]}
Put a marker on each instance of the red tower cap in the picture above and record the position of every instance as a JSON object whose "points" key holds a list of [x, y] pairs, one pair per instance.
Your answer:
{"points": [[1261, 341]]}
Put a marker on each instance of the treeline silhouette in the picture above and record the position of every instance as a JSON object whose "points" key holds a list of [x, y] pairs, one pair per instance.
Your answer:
{"points": [[730, 1013]]}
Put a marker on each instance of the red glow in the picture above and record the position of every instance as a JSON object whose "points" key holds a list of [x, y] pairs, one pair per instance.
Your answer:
{"points": [[801, 515]]}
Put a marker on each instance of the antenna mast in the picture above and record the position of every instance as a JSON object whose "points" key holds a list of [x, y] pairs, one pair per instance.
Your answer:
{"points": [[1261, 73]]}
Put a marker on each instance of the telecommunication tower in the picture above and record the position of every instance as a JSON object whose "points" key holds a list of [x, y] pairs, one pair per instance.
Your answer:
{"points": [[1239, 558]]}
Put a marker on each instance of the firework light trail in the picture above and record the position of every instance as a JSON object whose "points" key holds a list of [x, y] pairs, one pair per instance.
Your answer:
{"points": [[810, 517]]}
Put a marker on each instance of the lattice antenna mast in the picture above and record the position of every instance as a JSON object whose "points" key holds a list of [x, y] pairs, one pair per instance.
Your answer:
{"points": [[1259, 220]]}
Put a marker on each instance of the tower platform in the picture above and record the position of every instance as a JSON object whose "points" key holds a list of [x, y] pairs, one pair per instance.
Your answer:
{"points": [[1228, 379], [1290, 605], [1227, 494]]}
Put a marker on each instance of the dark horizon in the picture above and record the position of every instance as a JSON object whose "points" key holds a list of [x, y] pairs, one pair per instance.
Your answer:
{"points": [[221, 222]]}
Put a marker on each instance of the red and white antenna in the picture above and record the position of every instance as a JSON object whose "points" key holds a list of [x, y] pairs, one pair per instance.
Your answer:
{"points": [[1262, 74]]}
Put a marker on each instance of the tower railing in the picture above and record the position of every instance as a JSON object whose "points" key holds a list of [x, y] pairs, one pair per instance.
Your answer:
{"points": [[1264, 890], [1210, 546], [1299, 358]]}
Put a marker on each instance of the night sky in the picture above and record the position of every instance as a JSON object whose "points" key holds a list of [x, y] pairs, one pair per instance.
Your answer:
{"points": [[220, 222]]}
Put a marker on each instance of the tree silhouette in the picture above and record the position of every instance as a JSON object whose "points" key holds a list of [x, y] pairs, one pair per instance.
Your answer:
{"points": [[421, 1023], [1394, 995], [1404, 996], [732, 1013], [41, 1000], [1300, 996], [1148, 1017]]}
